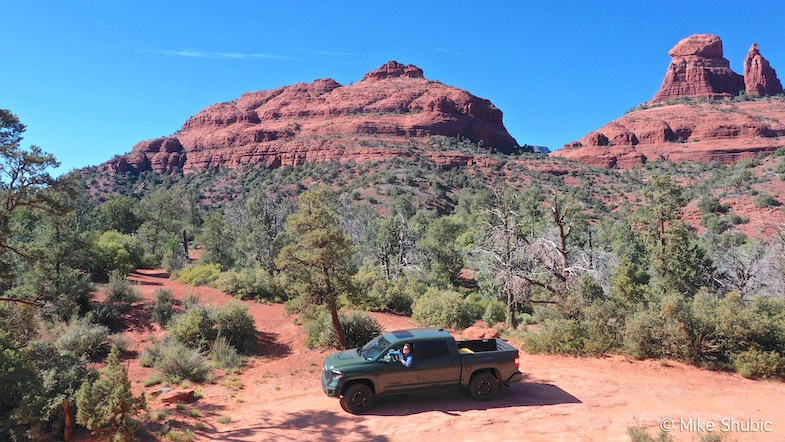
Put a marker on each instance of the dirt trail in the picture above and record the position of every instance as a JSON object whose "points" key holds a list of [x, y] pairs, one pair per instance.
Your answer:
{"points": [[561, 398]]}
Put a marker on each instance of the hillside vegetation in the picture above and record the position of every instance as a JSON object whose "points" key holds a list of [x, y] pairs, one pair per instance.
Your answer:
{"points": [[668, 261]]}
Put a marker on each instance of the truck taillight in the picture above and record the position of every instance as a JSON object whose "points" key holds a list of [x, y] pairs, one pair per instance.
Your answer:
{"points": [[518, 361]]}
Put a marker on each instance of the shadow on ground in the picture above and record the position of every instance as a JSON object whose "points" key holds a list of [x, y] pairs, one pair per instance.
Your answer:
{"points": [[267, 345], [309, 425], [519, 394]]}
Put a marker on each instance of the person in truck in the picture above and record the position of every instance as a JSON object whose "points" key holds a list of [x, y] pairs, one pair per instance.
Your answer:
{"points": [[406, 356]]}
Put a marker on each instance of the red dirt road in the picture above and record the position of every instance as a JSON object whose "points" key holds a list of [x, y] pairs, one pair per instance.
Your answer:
{"points": [[561, 398]]}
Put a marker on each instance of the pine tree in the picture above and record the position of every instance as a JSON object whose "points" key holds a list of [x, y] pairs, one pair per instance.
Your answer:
{"points": [[320, 261], [108, 406]]}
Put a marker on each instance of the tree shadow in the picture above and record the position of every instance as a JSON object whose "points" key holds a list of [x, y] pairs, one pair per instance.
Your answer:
{"points": [[519, 394], [267, 345], [309, 425]]}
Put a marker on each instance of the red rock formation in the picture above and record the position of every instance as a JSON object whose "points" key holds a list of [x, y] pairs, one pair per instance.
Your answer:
{"points": [[698, 70], [475, 332], [759, 77], [391, 111], [724, 132], [706, 132]]}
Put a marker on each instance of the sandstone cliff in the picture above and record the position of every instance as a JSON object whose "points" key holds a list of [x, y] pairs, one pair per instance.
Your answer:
{"points": [[696, 115], [389, 113]]}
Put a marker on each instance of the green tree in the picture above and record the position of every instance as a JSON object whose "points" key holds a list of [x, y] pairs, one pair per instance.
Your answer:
{"points": [[664, 201], [166, 218], [24, 183], [444, 256], [107, 405], [319, 262], [120, 213], [217, 241]]}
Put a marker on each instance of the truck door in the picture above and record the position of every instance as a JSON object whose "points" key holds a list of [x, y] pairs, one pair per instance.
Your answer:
{"points": [[436, 367], [392, 376]]}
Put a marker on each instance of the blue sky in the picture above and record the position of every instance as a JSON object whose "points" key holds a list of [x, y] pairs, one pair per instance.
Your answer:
{"points": [[92, 78]]}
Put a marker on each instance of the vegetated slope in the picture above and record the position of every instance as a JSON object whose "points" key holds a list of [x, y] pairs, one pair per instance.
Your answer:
{"points": [[703, 112], [391, 113], [277, 395]]}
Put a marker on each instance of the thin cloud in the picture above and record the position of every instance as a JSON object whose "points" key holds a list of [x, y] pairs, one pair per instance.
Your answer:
{"points": [[223, 55], [331, 54]]}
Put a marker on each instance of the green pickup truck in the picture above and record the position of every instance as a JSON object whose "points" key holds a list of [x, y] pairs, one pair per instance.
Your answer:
{"points": [[440, 362]]}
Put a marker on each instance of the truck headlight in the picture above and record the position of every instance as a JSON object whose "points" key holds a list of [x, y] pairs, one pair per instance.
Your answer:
{"points": [[336, 375]]}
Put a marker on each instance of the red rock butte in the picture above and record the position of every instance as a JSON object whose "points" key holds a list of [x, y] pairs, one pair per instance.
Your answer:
{"points": [[694, 116], [392, 112]]}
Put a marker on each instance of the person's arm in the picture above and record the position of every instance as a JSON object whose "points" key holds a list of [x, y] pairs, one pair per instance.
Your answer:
{"points": [[407, 360]]}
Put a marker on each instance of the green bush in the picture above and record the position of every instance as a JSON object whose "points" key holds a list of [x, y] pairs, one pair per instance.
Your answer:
{"points": [[710, 204], [380, 293], [200, 274], [764, 200], [441, 308], [224, 354], [558, 336], [83, 337], [41, 415], [234, 323], [194, 328], [178, 362], [496, 311], [107, 406], [17, 377], [115, 251], [162, 307], [759, 364], [250, 284], [359, 328]]}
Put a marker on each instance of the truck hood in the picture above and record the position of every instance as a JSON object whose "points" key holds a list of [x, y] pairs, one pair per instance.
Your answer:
{"points": [[343, 359]]}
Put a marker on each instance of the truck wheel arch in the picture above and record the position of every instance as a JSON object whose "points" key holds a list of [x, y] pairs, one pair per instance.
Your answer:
{"points": [[358, 381]]}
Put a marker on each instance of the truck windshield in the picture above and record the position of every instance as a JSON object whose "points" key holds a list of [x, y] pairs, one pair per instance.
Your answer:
{"points": [[374, 349]]}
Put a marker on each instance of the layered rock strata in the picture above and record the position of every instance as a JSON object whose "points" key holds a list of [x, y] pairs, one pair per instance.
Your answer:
{"points": [[391, 112]]}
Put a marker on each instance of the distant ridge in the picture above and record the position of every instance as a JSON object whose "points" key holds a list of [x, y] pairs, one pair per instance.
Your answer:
{"points": [[391, 111]]}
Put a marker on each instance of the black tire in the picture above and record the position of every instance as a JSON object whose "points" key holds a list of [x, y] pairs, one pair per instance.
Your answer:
{"points": [[357, 399], [484, 386]]}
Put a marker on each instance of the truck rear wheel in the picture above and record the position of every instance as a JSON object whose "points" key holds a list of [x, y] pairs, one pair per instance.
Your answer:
{"points": [[484, 386], [357, 399]]}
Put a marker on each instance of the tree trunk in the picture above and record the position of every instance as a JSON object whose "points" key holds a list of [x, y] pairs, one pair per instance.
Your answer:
{"points": [[69, 420], [338, 327], [185, 244]]}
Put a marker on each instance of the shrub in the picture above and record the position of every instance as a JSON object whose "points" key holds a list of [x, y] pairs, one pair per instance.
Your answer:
{"points": [[200, 274], [83, 337], [194, 328], [224, 354], [250, 284], [441, 308], [107, 406], [764, 200], [17, 376], [177, 362], [709, 204], [495, 312], [162, 307], [359, 328], [115, 251], [558, 336], [236, 325], [759, 364]]}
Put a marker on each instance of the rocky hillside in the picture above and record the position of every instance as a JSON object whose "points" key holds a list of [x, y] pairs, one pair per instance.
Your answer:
{"points": [[392, 112], [703, 112]]}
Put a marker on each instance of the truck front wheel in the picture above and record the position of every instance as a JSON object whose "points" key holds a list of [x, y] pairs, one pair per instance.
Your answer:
{"points": [[484, 386], [357, 399]]}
